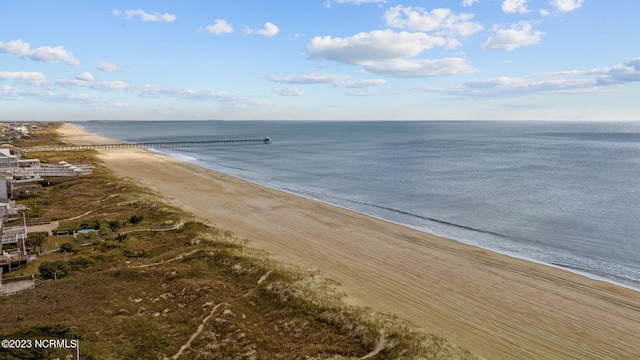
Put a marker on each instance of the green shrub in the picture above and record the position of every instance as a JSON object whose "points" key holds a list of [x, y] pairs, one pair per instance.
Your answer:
{"points": [[135, 254], [109, 245], [114, 225], [53, 269], [67, 247], [135, 219], [80, 262], [92, 225]]}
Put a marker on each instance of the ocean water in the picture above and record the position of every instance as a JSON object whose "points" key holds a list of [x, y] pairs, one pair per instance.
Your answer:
{"points": [[565, 194]]}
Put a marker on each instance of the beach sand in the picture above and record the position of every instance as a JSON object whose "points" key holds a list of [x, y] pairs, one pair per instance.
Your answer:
{"points": [[496, 306]]}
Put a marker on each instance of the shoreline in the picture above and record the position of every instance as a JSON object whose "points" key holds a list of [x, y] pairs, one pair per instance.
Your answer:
{"points": [[489, 303], [512, 254]]}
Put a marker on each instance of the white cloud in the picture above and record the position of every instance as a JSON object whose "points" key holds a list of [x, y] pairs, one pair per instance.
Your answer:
{"points": [[509, 86], [336, 80], [378, 45], [515, 6], [96, 85], [31, 78], [355, 2], [86, 81], [359, 84], [544, 12], [628, 72], [389, 53], [573, 72], [567, 5], [154, 91], [440, 21], [359, 2], [313, 78], [593, 80], [220, 96], [466, 3], [47, 54], [14, 93], [420, 68], [291, 91], [85, 76], [77, 98], [219, 27], [269, 30], [111, 85], [109, 67], [145, 16], [520, 34], [17, 93]]}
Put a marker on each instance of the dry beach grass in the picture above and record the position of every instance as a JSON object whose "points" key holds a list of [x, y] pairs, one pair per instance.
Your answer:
{"points": [[491, 304]]}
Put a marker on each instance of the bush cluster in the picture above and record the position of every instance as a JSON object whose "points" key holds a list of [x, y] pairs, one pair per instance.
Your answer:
{"points": [[135, 219], [61, 268], [67, 247], [54, 269]]}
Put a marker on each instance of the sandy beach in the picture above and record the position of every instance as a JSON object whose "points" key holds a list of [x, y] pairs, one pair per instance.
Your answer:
{"points": [[496, 306]]}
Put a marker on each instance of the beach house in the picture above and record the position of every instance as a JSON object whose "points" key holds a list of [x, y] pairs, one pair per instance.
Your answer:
{"points": [[9, 157]]}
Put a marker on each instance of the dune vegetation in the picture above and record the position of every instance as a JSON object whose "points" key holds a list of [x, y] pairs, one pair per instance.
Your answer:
{"points": [[152, 282]]}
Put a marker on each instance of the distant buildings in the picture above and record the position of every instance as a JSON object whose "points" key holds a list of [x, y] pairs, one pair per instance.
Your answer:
{"points": [[22, 177], [16, 130], [11, 163]]}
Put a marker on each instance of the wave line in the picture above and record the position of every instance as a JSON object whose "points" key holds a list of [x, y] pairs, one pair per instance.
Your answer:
{"points": [[431, 219]]}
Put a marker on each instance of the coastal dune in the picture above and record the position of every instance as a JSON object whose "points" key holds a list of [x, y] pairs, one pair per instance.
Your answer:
{"points": [[491, 304]]}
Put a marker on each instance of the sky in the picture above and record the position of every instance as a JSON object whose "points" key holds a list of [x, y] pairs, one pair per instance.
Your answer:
{"points": [[78, 60]]}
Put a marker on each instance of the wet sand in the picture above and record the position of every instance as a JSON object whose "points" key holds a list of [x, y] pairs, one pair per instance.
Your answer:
{"points": [[496, 306]]}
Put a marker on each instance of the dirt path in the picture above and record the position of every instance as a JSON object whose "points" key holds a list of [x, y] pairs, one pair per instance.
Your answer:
{"points": [[43, 227], [187, 345], [494, 305]]}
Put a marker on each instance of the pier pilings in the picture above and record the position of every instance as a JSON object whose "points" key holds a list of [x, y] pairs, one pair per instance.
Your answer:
{"points": [[161, 144]]}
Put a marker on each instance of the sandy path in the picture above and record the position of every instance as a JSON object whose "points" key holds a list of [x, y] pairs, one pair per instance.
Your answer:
{"points": [[494, 305]]}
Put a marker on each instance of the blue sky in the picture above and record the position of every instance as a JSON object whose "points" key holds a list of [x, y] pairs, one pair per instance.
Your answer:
{"points": [[320, 59]]}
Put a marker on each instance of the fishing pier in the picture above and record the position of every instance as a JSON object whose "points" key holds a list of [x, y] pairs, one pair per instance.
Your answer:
{"points": [[157, 145]]}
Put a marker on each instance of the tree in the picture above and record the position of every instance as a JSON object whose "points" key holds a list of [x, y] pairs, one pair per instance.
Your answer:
{"points": [[53, 269], [37, 240]]}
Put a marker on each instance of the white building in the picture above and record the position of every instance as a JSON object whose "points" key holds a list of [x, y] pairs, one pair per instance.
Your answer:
{"points": [[7, 160]]}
